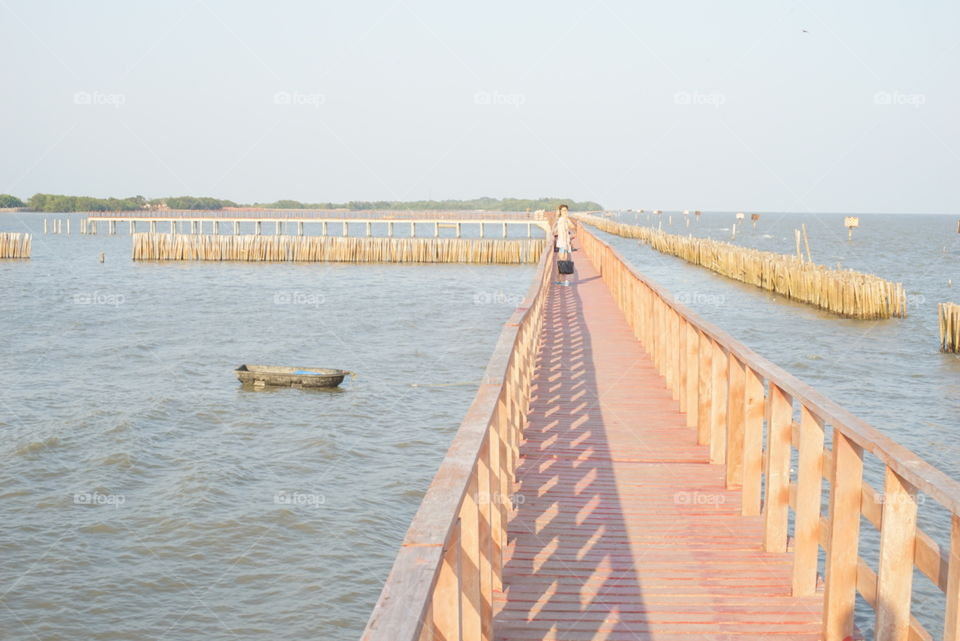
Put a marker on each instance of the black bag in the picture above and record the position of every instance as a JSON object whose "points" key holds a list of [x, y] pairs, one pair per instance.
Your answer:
{"points": [[565, 266]]}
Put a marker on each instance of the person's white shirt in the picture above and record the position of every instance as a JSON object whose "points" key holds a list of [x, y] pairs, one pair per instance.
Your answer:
{"points": [[563, 233]]}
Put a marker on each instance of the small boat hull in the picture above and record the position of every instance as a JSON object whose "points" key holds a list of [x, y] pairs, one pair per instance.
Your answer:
{"points": [[301, 377]]}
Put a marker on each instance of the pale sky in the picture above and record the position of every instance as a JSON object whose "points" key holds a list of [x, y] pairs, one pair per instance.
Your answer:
{"points": [[669, 105]]}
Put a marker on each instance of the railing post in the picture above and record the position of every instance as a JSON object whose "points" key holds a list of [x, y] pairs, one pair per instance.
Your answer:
{"points": [[658, 338], [682, 362], [846, 487], [718, 406], [704, 367], [497, 516], [485, 541], [951, 628], [778, 471], [693, 376], [807, 523], [752, 443], [675, 353], [446, 593], [470, 601], [736, 382], [895, 575]]}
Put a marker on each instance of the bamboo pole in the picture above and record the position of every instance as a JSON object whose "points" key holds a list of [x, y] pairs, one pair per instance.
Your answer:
{"points": [[949, 322], [15, 245]]}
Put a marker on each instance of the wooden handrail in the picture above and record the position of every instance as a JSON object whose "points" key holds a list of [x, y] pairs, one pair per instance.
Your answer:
{"points": [[449, 564], [733, 396], [926, 477]]}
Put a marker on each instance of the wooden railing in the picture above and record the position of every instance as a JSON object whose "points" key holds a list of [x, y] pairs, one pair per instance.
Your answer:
{"points": [[442, 582], [738, 401]]}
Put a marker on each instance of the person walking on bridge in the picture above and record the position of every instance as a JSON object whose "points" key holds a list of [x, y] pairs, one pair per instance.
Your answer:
{"points": [[563, 243]]}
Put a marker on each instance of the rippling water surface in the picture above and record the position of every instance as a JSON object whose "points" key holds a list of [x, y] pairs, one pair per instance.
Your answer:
{"points": [[146, 495]]}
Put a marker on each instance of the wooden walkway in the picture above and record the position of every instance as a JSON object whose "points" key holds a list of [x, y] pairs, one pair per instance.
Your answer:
{"points": [[623, 529]]}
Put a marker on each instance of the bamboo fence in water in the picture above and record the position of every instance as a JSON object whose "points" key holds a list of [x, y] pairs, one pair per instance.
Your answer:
{"points": [[949, 314], [14, 245], [845, 292], [336, 249]]}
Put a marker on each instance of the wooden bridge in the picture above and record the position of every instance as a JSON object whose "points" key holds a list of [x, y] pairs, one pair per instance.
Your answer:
{"points": [[629, 471], [390, 224]]}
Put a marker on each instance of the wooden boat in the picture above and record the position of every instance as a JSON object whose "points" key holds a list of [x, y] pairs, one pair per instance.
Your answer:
{"points": [[263, 375]]}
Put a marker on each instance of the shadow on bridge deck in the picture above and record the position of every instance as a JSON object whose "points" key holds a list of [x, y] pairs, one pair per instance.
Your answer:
{"points": [[623, 529]]}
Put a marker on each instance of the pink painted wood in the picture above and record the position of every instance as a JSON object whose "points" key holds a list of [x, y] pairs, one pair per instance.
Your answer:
{"points": [[624, 530]]}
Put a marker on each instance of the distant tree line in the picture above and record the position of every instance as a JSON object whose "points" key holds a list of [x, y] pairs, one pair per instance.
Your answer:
{"points": [[490, 204], [6, 201], [61, 203], [57, 202]]}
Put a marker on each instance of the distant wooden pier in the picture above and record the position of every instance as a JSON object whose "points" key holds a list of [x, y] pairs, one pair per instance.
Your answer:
{"points": [[300, 224]]}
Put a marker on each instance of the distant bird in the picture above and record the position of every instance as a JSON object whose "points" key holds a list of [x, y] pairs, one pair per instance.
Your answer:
{"points": [[805, 31]]}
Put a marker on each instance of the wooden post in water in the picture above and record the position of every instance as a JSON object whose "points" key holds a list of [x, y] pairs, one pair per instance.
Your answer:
{"points": [[259, 228], [300, 228], [754, 218], [851, 223], [949, 322], [44, 225]]}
